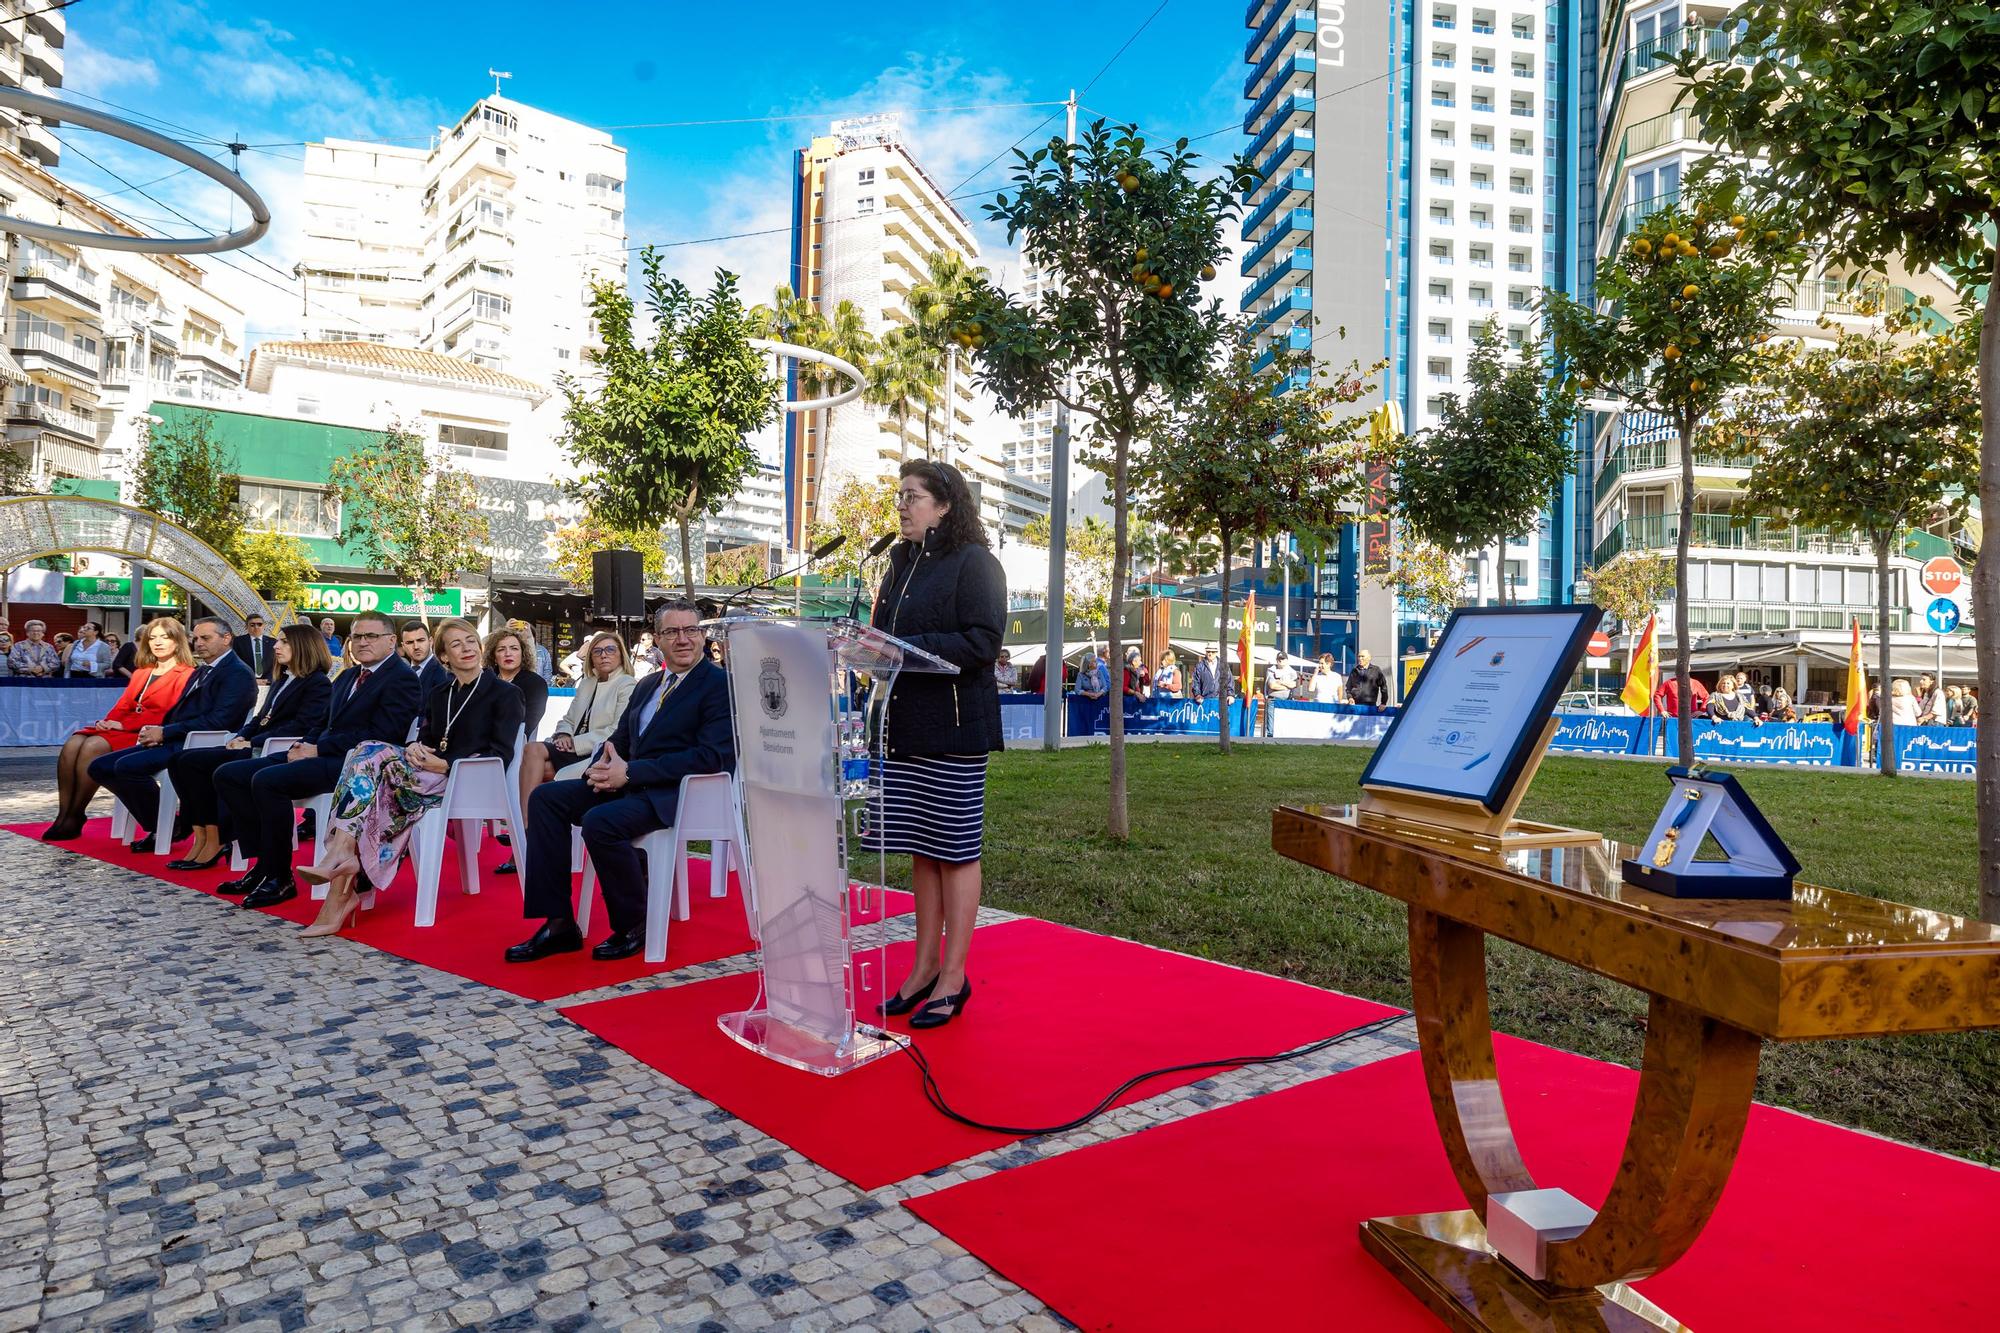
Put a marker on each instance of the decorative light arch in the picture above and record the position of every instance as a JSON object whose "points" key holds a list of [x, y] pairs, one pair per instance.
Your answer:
{"points": [[35, 526]]}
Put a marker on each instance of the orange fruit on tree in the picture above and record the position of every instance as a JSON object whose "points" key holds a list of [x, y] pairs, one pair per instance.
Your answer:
{"points": [[1166, 290], [1207, 272], [1689, 292], [1672, 353]]}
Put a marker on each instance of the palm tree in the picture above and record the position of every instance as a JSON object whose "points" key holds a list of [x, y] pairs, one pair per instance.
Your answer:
{"points": [[934, 303], [902, 377]]}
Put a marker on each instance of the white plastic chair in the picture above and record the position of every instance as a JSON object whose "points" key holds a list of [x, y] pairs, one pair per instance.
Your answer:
{"points": [[122, 823], [475, 791], [238, 862], [710, 810]]}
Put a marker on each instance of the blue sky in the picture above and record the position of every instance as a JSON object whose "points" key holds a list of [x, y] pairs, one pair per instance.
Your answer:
{"points": [[278, 75]]}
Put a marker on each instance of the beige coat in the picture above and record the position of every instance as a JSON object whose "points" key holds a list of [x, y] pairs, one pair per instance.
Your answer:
{"points": [[593, 715]]}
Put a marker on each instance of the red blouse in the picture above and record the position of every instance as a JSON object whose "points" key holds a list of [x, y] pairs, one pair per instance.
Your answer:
{"points": [[145, 703]]}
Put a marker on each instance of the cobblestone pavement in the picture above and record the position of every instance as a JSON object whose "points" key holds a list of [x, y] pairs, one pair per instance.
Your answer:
{"points": [[204, 1125]]}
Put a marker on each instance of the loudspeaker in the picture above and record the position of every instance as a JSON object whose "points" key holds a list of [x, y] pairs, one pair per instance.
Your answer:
{"points": [[618, 585]]}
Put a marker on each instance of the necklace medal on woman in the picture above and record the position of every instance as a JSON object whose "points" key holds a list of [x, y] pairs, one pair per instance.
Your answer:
{"points": [[451, 713]]}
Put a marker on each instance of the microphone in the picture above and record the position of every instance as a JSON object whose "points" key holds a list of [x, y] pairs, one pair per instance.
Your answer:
{"points": [[875, 548], [820, 552]]}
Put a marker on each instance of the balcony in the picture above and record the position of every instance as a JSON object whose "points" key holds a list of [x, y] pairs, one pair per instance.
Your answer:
{"points": [[1297, 302], [1298, 220], [1282, 192], [36, 283], [1284, 117], [1266, 56], [1296, 151], [1805, 301], [1759, 618], [1296, 340], [1655, 455], [1725, 531], [67, 356], [30, 412], [1651, 56], [1293, 268], [1285, 78]]}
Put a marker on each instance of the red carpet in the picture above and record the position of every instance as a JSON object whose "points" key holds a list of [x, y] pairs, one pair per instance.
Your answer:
{"points": [[1058, 1018], [472, 931], [1246, 1217]]}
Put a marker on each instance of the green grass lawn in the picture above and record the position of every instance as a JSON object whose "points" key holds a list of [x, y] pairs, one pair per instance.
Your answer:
{"points": [[1199, 876]]}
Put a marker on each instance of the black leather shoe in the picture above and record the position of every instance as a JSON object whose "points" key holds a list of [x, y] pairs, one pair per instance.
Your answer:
{"points": [[232, 887], [189, 863], [622, 944], [140, 846], [306, 827], [557, 935], [272, 892], [506, 867], [936, 1013], [902, 1004]]}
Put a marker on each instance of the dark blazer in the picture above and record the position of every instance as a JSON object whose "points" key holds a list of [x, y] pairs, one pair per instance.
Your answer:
{"points": [[691, 733], [291, 708], [218, 698], [240, 645], [535, 694], [432, 674], [952, 603], [381, 709], [488, 721]]}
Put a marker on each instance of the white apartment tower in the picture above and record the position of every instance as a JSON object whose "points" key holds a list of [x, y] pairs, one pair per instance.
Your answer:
{"points": [[482, 245], [866, 217]]}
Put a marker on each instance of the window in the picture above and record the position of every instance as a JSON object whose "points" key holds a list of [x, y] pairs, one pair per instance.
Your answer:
{"points": [[864, 205], [297, 511], [865, 176], [308, 407], [460, 438]]}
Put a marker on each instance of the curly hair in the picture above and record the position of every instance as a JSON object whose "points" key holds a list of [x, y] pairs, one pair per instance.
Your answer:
{"points": [[491, 653], [960, 525]]}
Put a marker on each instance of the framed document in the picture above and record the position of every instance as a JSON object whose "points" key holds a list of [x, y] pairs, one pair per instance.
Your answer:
{"points": [[1473, 727]]}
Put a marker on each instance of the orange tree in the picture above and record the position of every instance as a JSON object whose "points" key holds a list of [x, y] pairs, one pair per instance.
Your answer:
{"points": [[1127, 237], [1879, 121], [1252, 454], [1877, 432], [1686, 304]]}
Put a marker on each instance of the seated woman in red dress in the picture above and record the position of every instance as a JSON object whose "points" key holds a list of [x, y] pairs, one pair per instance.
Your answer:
{"points": [[164, 666]]}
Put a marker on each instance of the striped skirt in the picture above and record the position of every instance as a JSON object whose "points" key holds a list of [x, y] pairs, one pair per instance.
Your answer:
{"points": [[933, 806]]}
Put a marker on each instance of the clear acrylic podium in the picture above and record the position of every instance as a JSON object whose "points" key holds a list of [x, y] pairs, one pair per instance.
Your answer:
{"points": [[803, 759]]}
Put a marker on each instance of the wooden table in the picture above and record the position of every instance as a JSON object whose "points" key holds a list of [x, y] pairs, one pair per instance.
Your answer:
{"points": [[1722, 976]]}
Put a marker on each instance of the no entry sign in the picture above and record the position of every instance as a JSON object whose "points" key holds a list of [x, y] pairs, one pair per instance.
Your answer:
{"points": [[1600, 644]]}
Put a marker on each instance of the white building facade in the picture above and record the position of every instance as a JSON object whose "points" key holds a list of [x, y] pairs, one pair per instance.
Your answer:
{"points": [[484, 245]]}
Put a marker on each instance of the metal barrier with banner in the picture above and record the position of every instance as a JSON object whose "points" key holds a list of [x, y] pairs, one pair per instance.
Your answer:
{"points": [[1599, 733], [1937, 749], [45, 712], [1147, 717], [1303, 719], [1020, 717], [1813, 743]]}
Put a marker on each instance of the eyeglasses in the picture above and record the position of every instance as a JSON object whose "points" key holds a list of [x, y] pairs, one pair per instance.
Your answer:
{"points": [[359, 638], [905, 499], [681, 632], [605, 650]]}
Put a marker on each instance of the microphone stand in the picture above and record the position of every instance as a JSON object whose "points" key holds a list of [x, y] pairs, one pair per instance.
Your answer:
{"points": [[880, 545], [819, 554]]}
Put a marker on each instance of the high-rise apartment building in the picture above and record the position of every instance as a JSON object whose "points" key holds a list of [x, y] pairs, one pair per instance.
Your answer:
{"points": [[1762, 591], [482, 245], [1420, 167], [866, 218], [93, 337]]}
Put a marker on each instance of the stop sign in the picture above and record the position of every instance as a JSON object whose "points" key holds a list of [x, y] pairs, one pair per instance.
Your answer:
{"points": [[1943, 576], [1600, 644]]}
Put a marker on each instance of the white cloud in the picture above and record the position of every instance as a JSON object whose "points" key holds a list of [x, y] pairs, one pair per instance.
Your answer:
{"points": [[91, 70]]}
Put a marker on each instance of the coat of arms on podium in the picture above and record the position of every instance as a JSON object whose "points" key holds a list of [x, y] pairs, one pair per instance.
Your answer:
{"points": [[771, 687]]}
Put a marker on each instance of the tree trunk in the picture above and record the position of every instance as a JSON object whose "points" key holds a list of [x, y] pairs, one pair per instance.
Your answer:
{"points": [[687, 556], [1683, 643], [1500, 572], [1986, 605], [1222, 651], [1885, 726], [1120, 824]]}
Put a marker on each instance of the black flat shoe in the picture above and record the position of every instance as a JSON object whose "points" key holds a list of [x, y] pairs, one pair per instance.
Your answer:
{"points": [[936, 1013], [506, 867], [189, 863], [232, 887], [622, 944], [557, 935], [272, 892], [140, 846], [61, 832], [504, 838], [902, 1004]]}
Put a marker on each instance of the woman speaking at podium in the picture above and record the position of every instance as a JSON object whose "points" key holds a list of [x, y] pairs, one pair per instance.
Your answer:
{"points": [[945, 593]]}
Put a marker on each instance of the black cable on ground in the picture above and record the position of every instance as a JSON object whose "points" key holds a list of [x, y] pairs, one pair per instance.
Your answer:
{"points": [[934, 1095]]}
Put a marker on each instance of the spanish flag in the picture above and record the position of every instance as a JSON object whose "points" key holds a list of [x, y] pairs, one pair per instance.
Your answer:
{"points": [[1244, 638], [1643, 680], [1857, 683]]}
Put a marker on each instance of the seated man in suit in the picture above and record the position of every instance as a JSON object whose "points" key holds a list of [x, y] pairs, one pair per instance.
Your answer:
{"points": [[218, 697], [256, 648], [374, 700], [676, 724], [414, 644]]}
